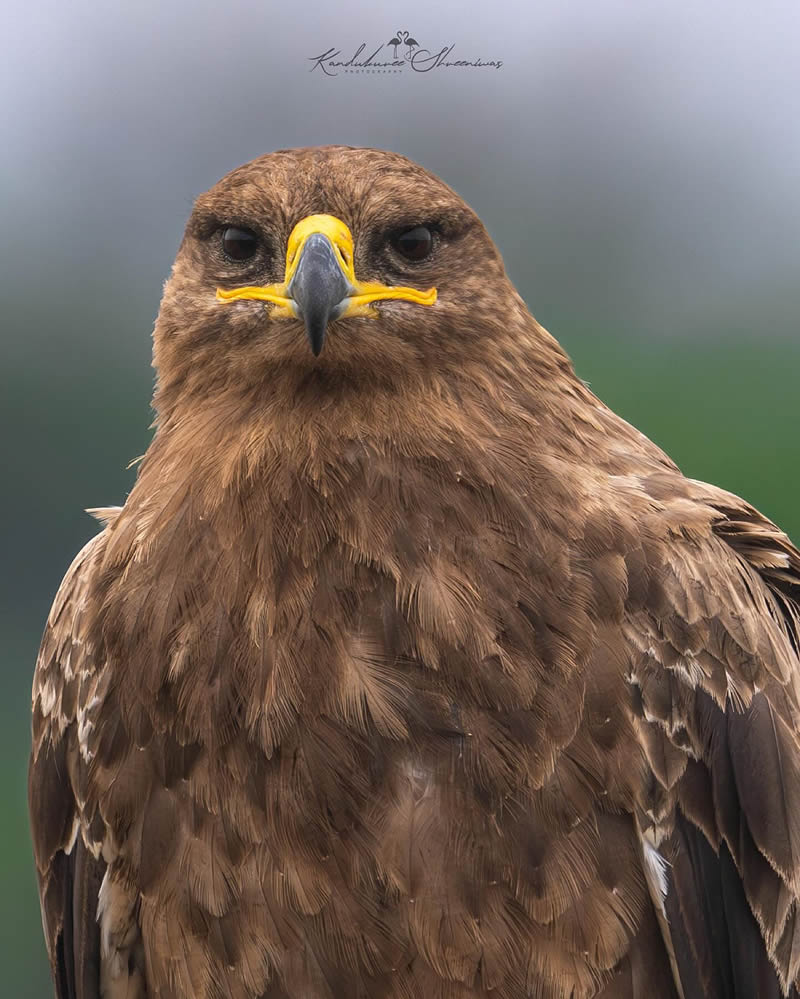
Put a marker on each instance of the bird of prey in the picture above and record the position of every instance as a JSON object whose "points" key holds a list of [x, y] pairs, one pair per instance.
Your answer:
{"points": [[408, 669]]}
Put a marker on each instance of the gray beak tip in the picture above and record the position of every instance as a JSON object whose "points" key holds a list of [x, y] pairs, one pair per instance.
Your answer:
{"points": [[317, 342]]}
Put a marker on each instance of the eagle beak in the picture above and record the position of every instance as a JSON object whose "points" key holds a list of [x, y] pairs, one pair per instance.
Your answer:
{"points": [[320, 284], [318, 288]]}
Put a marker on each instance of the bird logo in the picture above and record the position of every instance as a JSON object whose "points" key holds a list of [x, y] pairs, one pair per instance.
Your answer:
{"points": [[401, 38]]}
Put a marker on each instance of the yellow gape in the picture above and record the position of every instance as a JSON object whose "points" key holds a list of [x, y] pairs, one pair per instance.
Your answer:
{"points": [[359, 294]]}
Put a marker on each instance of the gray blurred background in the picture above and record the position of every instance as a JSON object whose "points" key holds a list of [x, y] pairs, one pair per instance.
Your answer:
{"points": [[637, 163]]}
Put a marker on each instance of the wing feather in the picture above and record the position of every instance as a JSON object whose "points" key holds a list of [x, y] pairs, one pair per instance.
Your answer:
{"points": [[716, 676], [69, 874]]}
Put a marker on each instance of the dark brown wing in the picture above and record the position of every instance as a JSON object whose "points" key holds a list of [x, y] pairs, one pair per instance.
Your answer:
{"points": [[69, 874], [716, 684]]}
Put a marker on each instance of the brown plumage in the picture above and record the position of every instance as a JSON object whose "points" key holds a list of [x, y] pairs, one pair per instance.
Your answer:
{"points": [[409, 669]]}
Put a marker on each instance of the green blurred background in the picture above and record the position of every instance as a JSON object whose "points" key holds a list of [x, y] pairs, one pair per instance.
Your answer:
{"points": [[637, 164]]}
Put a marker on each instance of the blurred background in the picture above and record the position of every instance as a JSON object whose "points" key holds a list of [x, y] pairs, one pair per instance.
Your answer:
{"points": [[637, 164]]}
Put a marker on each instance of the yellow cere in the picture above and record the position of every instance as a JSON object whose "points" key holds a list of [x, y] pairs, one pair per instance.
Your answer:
{"points": [[342, 239]]}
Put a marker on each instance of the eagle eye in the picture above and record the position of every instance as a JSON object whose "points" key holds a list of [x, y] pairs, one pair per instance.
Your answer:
{"points": [[413, 244], [238, 243]]}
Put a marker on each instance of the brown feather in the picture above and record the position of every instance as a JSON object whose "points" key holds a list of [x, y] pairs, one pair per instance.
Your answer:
{"points": [[410, 669]]}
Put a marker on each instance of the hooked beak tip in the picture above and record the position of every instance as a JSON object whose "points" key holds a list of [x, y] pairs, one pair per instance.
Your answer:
{"points": [[315, 330]]}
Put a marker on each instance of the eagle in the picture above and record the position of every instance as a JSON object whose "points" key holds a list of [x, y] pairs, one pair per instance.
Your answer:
{"points": [[408, 668]]}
